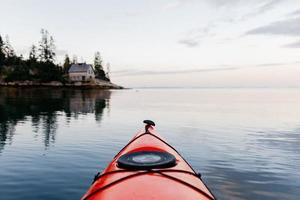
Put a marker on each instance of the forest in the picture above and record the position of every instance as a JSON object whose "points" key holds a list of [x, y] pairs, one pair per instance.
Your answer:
{"points": [[40, 64]]}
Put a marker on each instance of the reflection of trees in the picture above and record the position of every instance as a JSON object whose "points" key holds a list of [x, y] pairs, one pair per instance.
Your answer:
{"points": [[42, 105], [8, 130], [100, 104], [49, 129]]}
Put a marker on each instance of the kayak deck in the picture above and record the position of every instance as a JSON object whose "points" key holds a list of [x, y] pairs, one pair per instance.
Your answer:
{"points": [[178, 182]]}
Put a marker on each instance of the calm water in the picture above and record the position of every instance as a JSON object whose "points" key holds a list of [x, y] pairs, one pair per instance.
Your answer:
{"points": [[245, 142]]}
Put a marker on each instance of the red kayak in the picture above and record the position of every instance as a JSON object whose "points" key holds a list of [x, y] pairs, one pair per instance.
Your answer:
{"points": [[148, 168]]}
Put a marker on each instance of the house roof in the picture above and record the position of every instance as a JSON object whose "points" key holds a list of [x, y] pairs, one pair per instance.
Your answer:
{"points": [[80, 67]]}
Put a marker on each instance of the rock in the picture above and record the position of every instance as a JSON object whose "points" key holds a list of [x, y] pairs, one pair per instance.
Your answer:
{"points": [[97, 84]]}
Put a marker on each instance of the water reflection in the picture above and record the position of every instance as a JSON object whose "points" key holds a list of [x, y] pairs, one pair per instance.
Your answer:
{"points": [[283, 140], [43, 106], [244, 142], [233, 183]]}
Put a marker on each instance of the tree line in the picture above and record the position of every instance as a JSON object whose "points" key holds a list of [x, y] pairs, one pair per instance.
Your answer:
{"points": [[40, 65]]}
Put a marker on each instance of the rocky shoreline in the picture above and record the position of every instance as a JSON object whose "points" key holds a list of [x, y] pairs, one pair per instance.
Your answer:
{"points": [[99, 84]]}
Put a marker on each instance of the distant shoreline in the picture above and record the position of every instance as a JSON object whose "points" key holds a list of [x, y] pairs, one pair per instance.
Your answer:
{"points": [[56, 84]]}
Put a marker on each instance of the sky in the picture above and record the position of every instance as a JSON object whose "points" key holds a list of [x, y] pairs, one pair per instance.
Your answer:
{"points": [[168, 43]]}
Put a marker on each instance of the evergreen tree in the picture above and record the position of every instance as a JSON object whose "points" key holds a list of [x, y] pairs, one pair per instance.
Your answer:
{"points": [[98, 61], [107, 74], [2, 55], [40, 64], [67, 64], [8, 49], [46, 47], [32, 53], [98, 66]]}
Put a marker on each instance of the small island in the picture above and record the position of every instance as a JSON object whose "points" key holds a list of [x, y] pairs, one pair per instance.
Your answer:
{"points": [[40, 69]]}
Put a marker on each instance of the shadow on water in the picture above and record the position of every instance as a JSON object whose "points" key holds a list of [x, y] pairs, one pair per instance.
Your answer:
{"points": [[43, 105]]}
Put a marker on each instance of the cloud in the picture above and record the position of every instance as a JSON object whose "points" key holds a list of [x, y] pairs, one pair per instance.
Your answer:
{"points": [[263, 5], [290, 27], [292, 45], [295, 13], [172, 5], [195, 36], [276, 64], [267, 6], [177, 3], [197, 70], [149, 72], [222, 3], [189, 42]]}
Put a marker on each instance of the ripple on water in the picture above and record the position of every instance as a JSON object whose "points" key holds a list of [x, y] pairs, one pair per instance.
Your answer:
{"points": [[245, 143]]}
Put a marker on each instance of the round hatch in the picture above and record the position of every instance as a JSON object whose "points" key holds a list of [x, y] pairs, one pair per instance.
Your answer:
{"points": [[146, 160]]}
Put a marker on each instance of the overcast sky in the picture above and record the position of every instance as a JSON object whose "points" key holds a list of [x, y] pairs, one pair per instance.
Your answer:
{"points": [[199, 43]]}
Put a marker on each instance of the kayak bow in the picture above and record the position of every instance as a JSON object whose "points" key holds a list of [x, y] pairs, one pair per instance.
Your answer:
{"points": [[148, 168]]}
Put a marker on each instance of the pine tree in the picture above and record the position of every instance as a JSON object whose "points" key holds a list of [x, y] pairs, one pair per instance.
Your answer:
{"points": [[46, 47], [8, 49], [98, 66], [98, 61], [32, 53], [2, 55], [67, 64], [107, 74]]}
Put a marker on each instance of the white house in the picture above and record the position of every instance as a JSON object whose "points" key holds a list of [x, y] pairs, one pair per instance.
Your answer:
{"points": [[81, 72]]}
